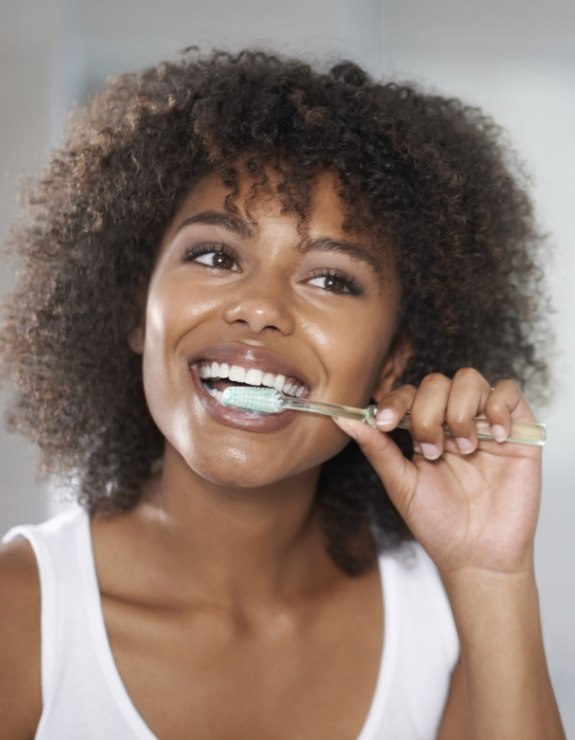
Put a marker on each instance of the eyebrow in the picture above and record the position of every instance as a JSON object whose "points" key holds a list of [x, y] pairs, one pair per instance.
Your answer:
{"points": [[218, 218], [239, 226]]}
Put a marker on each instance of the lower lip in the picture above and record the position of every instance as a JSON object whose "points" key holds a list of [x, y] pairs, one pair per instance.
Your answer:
{"points": [[238, 418]]}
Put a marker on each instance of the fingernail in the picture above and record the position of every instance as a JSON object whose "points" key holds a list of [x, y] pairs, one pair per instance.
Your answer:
{"points": [[384, 418], [430, 451], [464, 445], [499, 432]]}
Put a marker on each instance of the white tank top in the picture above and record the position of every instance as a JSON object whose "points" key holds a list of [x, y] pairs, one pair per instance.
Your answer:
{"points": [[84, 697]]}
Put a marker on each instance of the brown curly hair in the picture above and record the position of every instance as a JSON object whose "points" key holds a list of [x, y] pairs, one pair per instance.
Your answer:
{"points": [[427, 173]]}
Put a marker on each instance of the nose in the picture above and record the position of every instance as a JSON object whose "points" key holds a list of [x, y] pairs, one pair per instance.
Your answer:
{"points": [[260, 307]]}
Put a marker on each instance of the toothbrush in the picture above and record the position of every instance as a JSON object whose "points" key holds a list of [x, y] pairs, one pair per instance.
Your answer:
{"points": [[265, 400]]}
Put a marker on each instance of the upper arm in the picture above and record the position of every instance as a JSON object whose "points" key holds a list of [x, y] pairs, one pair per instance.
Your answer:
{"points": [[20, 683], [454, 721]]}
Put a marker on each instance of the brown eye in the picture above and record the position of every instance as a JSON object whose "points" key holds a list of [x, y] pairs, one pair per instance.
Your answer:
{"points": [[333, 282], [221, 260], [210, 256]]}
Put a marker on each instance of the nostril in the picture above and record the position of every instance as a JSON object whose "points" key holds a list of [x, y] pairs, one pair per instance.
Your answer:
{"points": [[259, 314]]}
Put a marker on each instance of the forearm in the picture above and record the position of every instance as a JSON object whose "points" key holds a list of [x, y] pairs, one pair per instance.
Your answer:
{"points": [[507, 684]]}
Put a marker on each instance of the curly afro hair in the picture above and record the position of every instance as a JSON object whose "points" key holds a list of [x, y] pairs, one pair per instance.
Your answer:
{"points": [[427, 174]]}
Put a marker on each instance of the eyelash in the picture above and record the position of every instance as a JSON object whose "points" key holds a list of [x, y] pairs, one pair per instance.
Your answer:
{"points": [[192, 253], [350, 285]]}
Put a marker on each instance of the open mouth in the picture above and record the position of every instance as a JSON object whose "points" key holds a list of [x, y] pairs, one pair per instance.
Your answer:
{"points": [[217, 376]]}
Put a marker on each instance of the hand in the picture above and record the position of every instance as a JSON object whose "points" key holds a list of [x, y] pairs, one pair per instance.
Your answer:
{"points": [[471, 504]]}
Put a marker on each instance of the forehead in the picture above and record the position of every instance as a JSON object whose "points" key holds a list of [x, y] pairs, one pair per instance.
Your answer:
{"points": [[253, 202]]}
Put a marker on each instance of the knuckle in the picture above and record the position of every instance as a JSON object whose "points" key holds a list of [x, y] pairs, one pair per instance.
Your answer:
{"points": [[505, 394], [467, 375], [398, 397], [457, 418], [496, 406], [434, 379], [405, 390], [424, 428], [508, 384]]}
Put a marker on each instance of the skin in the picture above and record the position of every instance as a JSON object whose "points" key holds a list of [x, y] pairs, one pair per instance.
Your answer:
{"points": [[474, 507], [271, 302], [222, 607]]}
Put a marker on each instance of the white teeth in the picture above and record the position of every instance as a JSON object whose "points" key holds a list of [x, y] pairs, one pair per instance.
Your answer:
{"points": [[215, 370], [268, 380], [254, 376], [237, 374], [290, 389], [218, 395], [251, 376]]}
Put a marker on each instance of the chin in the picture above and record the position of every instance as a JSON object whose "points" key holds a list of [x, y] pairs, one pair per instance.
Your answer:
{"points": [[234, 469], [241, 477], [235, 459]]}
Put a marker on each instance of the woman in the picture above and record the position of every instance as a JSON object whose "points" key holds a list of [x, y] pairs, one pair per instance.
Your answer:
{"points": [[241, 220]]}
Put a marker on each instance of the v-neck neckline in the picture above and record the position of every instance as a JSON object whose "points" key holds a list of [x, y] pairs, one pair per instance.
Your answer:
{"points": [[118, 688]]}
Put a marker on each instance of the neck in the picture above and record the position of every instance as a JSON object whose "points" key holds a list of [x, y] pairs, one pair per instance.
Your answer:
{"points": [[239, 544]]}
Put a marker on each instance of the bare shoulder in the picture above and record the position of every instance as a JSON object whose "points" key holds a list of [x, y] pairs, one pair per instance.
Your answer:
{"points": [[20, 687]]}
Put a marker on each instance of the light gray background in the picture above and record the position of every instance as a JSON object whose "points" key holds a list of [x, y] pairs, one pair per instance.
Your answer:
{"points": [[514, 58]]}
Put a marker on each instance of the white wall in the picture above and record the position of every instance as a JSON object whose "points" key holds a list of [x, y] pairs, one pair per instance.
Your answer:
{"points": [[515, 58], [24, 116], [517, 61]]}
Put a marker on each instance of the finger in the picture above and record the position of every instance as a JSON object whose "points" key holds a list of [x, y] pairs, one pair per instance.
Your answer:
{"points": [[428, 415], [504, 403], [467, 399], [393, 406], [395, 471]]}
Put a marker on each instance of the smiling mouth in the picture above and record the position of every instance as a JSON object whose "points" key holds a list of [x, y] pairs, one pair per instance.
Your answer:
{"points": [[217, 376]]}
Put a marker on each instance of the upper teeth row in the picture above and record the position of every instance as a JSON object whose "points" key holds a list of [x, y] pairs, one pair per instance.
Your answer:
{"points": [[250, 376]]}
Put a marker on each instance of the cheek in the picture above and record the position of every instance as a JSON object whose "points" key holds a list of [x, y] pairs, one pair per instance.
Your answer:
{"points": [[171, 306], [163, 367], [175, 307], [355, 350]]}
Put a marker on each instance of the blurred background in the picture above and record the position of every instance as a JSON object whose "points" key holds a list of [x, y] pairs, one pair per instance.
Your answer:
{"points": [[513, 58]]}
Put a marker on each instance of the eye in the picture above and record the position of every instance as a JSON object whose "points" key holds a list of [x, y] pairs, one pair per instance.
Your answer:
{"points": [[334, 281], [217, 256]]}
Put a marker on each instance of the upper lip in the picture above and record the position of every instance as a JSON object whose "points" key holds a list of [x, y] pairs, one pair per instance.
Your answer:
{"points": [[253, 357]]}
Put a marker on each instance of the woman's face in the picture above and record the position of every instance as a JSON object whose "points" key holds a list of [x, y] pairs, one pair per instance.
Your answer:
{"points": [[260, 300]]}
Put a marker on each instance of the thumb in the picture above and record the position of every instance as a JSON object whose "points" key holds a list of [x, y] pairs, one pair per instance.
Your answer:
{"points": [[396, 472]]}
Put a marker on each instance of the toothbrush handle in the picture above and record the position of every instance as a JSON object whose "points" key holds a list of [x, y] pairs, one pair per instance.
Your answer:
{"points": [[331, 409], [521, 432]]}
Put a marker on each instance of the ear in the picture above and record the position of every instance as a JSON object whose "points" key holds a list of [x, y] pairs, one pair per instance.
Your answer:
{"points": [[137, 335], [399, 354], [136, 339]]}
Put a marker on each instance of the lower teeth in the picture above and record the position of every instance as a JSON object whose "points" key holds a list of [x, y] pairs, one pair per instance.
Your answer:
{"points": [[215, 393]]}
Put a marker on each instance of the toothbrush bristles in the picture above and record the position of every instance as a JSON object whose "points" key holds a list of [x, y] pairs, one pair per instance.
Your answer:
{"points": [[260, 399]]}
